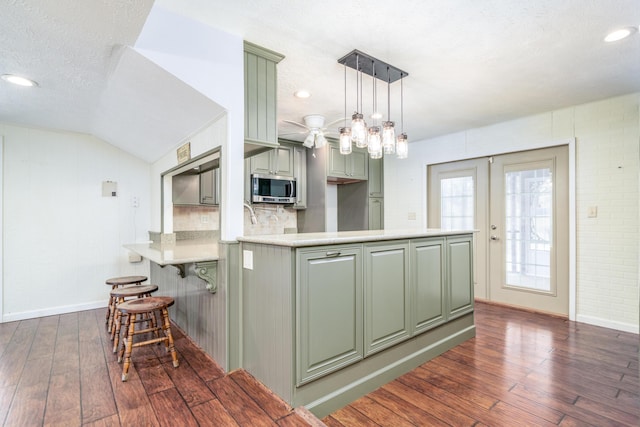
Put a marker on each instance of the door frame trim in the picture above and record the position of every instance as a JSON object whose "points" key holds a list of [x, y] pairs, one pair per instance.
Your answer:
{"points": [[571, 143]]}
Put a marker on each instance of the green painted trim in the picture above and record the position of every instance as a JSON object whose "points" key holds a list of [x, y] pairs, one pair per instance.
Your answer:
{"points": [[352, 391], [263, 52]]}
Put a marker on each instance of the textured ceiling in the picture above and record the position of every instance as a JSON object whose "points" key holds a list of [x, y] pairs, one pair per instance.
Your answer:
{"points": [[471, 63]]}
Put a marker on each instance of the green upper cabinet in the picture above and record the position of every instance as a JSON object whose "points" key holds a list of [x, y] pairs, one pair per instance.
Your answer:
{"points": [[260, 90], [278, 161], [386, 295], [351, 166], [376, 178], [300, 173]]}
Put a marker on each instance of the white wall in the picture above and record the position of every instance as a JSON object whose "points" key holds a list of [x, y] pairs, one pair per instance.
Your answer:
{"points": [[607, 137], [212, 62], [61, 238]]}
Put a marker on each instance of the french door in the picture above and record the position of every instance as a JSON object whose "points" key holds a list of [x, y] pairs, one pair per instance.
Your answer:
{"points": [[519, 204]]}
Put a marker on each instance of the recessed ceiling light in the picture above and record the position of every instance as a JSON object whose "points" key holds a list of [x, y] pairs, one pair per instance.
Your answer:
{"points": [[620, 34], [302, 93], [18, 80]]}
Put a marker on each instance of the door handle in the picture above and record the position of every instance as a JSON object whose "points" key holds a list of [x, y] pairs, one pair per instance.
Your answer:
{"points": [[494, 237], [333, 253]]}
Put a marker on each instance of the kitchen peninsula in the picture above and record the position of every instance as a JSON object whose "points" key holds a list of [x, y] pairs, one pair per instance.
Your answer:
{"points": [[328, 317], [187, 270]]}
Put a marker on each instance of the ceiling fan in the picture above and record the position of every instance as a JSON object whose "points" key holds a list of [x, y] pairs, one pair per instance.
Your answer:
{"points": [[314, 125]]}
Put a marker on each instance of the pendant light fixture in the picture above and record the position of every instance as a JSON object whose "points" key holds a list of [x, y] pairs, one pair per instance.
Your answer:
{"points": [[345, 132], [388, 131], [376, 141], [402, 144], [358, 125]]}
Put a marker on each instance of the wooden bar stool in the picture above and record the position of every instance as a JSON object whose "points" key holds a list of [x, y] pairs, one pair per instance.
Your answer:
{"points": [[142, 306], [120, 296], [116, 282]]}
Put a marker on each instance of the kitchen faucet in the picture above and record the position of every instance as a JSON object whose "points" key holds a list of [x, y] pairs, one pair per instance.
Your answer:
{"points": [[252, 214]]}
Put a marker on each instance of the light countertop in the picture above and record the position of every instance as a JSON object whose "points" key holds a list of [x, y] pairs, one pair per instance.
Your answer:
{"points": [[182, 252], [340, 237]]}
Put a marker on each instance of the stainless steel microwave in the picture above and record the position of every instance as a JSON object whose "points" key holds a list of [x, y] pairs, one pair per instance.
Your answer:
{"points": [[273, 189]]}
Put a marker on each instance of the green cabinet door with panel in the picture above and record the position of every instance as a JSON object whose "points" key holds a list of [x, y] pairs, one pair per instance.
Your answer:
{"points": [[386, 295], [260, 95], [300, 173], [376, 213], [375, 183], [350, 166], [459, 276], [278, 161], [328, 310], [428, 284]]}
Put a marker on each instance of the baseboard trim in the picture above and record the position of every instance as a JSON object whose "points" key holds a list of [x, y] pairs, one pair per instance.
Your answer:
{"points": [[352, 391], [52, 311], [611, 324]]}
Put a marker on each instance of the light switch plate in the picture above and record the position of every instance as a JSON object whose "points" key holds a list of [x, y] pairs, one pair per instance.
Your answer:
{"points": [[592, 212], [247, 259]]}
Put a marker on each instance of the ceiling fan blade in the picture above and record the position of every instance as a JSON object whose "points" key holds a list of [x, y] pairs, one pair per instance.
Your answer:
{"points": [[292, 133], [337, 121], [296, 123]]}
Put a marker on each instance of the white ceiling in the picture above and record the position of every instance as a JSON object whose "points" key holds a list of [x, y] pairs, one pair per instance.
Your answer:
{"points": [[470, 63]]}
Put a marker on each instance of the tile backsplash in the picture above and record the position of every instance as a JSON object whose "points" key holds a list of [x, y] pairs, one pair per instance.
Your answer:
{"points": [[196, 218], [272, 219]]}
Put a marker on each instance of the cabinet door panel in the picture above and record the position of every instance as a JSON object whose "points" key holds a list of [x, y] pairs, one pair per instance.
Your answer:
{"points": [[386, 295], [329, 311], [428, 284], [376, 178], [262, 163], [359, 165], [376, 213], [283, 164], [336, 162], [460, 262]]}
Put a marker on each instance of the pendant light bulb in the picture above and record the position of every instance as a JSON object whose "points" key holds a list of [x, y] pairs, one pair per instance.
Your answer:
{"points": [[358, 130], [345, 140], [402, 146], [388, 137], [375, 143]]}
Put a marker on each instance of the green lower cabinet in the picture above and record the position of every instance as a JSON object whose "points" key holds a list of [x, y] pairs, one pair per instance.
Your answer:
{"points": [[460, 275], [427, 284], [328, 310], [386, 295]]}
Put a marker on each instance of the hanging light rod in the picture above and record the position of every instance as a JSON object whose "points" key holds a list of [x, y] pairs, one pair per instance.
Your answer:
{"points": [[370, 65]]}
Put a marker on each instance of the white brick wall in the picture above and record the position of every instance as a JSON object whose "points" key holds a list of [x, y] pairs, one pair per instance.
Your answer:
{"points": [[607, 137]]}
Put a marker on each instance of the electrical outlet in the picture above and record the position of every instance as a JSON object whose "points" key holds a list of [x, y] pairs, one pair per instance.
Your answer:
{"points": [[204, 219], [135, 202], [247, 259]]}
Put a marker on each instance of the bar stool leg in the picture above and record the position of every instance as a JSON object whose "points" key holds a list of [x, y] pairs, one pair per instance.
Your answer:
{"points": [[127, 349], [166, 326], [115, 330]]}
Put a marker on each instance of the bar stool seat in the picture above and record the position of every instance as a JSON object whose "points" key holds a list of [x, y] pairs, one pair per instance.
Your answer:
{"points": [[149, 306], [116, 282], [119, 296]]}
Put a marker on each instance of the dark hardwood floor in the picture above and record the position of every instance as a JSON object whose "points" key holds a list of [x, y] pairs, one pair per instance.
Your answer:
{"points": [[521, 369]]}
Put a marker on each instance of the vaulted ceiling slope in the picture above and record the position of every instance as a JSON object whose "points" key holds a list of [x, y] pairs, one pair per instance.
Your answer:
{"points": [[471, 63], [90, 78]]}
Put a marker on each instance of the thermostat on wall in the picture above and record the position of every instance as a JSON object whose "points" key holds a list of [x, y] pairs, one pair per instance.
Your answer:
{"points": [[109, 189]]}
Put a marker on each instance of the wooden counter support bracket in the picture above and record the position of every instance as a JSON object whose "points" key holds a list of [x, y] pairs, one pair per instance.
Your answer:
{"points": [[207, 271]]}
